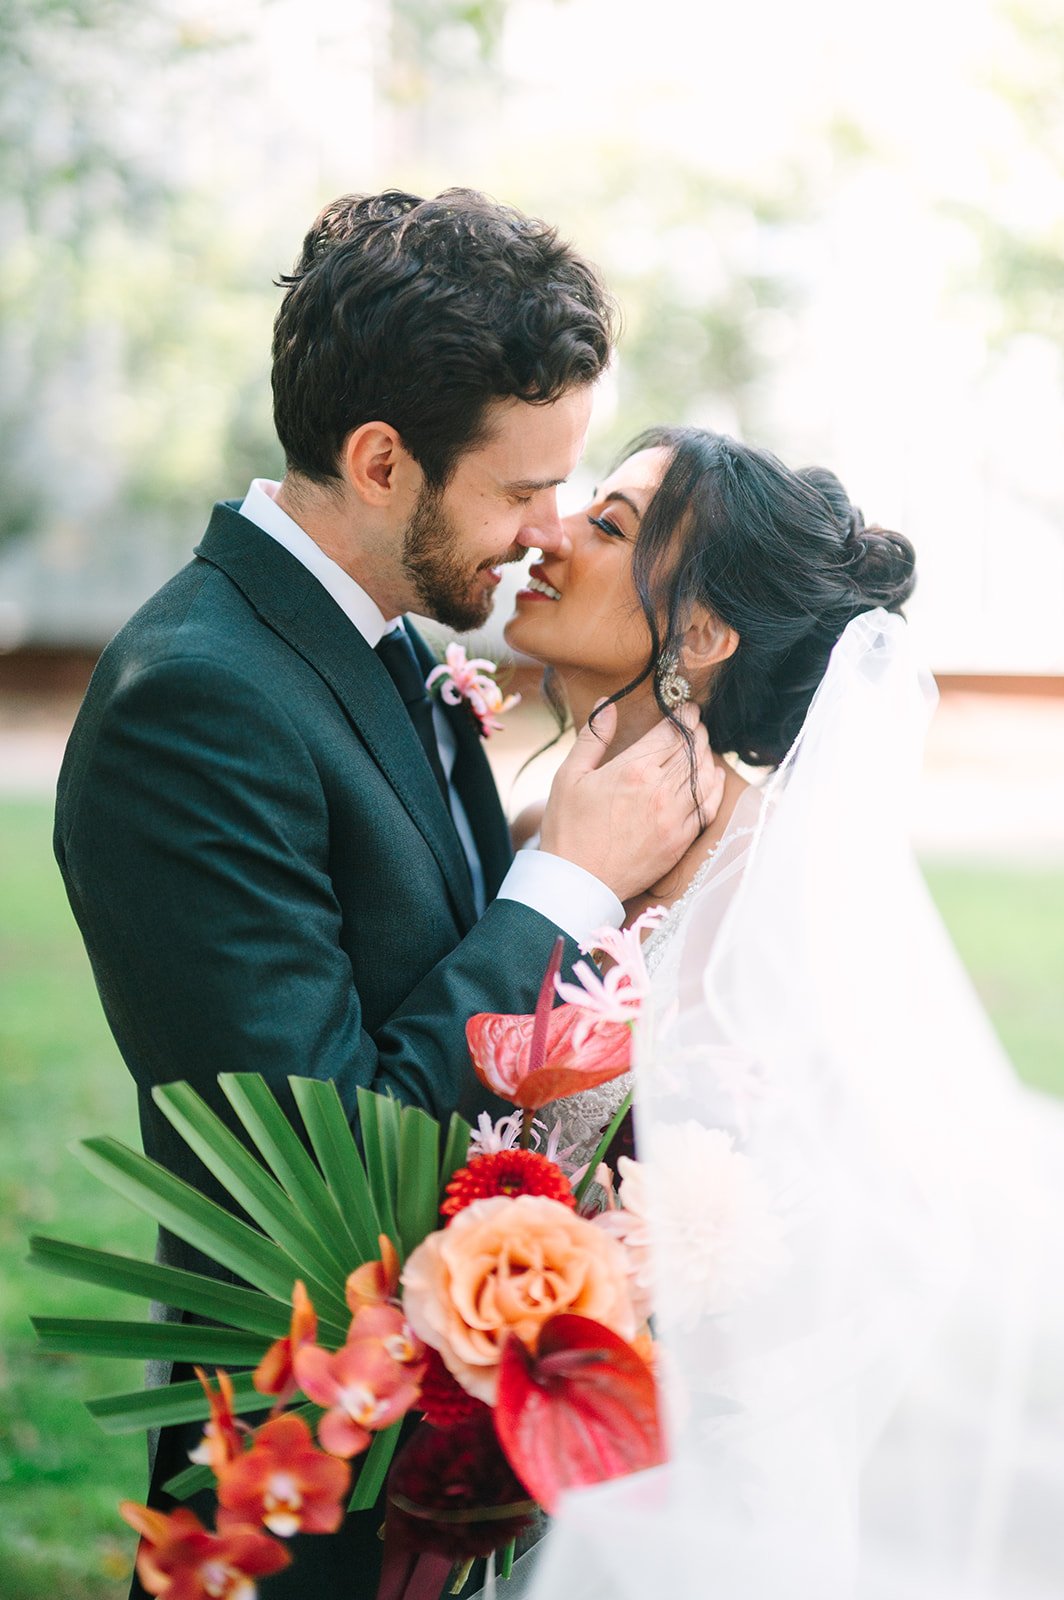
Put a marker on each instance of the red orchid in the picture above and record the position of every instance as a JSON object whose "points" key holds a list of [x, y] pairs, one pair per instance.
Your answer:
{"points": [[580, 1410], [285, 1482], [275, 1373], [223, 1437], [532, 1060], [375, 1282], [180, 1559], [368, 1384]]}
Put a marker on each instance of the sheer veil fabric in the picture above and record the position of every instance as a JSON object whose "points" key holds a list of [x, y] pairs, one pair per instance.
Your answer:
{"points": [[854, 1215]]}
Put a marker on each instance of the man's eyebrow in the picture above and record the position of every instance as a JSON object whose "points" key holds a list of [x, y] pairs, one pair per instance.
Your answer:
{"points": [[530, 485]]}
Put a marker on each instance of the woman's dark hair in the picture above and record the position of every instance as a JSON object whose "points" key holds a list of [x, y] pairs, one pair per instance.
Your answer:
{"points": [[421, 313], [780, 556]]}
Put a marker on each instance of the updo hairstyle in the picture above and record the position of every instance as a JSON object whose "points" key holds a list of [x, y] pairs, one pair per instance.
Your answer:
{"points": [[780, 556]]}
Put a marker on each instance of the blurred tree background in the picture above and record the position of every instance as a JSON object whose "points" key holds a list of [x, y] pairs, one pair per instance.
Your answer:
{"points": [[834, 230], [160, 160]]}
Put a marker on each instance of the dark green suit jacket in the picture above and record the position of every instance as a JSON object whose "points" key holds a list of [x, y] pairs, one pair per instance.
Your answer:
{"points": [[265, 874]]}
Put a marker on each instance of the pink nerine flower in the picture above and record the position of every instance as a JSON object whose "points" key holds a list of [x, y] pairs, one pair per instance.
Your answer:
{"points": [[619, 994], [474, 682]]}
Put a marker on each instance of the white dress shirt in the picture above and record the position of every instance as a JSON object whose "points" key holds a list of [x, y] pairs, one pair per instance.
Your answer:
{"points": [[564, 893]]}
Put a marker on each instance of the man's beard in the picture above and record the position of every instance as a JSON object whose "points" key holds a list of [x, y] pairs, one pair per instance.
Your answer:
{"points": [[445, 587]]}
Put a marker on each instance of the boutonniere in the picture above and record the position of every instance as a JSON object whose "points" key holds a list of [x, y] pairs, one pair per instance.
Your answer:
{"points": [[473, 682]]}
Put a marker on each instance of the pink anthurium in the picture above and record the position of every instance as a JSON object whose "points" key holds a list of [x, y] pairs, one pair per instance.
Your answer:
{"points": [[581, 1409], [532, 1060]]}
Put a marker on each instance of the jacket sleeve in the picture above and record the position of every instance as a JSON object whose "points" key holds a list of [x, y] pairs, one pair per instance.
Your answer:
{"points": [[193, 836]]}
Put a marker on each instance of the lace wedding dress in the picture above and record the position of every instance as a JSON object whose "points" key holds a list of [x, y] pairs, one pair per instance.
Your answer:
{"points": [[881, 1417], [584, 1117]]}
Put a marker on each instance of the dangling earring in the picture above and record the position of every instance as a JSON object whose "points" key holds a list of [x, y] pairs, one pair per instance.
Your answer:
{"points": [[673, 687]]}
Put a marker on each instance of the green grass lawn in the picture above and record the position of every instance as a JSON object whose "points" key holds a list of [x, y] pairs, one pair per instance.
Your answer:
{"points": [[61, 1079]]}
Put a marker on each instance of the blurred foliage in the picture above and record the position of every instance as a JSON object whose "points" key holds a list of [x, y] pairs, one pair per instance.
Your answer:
{"points": [[118, 385], [1020, 273], [708, 272]]}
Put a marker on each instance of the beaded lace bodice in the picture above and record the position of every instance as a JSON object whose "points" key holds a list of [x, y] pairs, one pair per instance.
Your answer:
{"points": [[585, 1116]]}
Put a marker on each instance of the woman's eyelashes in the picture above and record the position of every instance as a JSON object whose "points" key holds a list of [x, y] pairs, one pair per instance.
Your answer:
{"points": [[607, 526]]}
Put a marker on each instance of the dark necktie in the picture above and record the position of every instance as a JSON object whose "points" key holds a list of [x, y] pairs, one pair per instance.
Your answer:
{"points": [[397, 654]]}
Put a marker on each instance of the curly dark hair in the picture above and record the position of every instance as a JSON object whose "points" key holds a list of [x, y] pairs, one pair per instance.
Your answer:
{"points": [[421, 313], [780, 556]]}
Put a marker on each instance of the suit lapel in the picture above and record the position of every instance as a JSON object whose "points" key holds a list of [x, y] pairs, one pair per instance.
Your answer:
{"points": [[293, 603], [475, 784]]}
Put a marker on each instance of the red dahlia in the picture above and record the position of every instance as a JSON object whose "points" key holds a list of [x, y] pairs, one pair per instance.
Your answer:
{"points": [[510, 1173], [439, 1482], [443, 1400]]}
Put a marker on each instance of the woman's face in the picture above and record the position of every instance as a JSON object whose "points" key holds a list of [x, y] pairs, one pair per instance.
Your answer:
{"points": [[581, 613]]}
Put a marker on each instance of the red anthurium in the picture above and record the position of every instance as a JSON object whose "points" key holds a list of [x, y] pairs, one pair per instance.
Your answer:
{"points": [[362, 1385], [285, 1482], [375, 1282], [223, 1437], [580, 1410], [180, 1559], [275, 1373]]}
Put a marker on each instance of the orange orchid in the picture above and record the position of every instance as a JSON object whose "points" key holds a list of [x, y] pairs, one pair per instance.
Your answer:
{"points": [[179, 1559], [285, 1482], [223, 1437], [275, 1373], [368, 1384], [375, 1282]]}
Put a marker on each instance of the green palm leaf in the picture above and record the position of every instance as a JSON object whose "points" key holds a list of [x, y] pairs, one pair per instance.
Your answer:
{"points": [[185, 1212], [418, 1177], [149, 1341], [257, 1192], [282, 1147], [374, 1469], [334, 1145], [379, 1120], [185, 1291], [455, 1151], [179, 1402]]}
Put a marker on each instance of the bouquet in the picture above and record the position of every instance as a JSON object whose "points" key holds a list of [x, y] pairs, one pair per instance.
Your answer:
{"points": [[454, 1276]]}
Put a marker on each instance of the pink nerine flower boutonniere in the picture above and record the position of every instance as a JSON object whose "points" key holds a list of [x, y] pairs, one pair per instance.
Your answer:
{"points": [[474, 682]]}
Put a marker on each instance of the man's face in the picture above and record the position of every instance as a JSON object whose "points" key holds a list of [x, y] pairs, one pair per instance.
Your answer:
{"points": [[500, 502]]}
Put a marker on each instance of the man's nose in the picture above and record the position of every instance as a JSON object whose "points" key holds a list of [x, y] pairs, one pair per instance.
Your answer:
{"points": [[547, 532]]}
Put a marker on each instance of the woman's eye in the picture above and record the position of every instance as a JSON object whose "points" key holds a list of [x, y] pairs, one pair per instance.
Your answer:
{"points": [[606, 526]]}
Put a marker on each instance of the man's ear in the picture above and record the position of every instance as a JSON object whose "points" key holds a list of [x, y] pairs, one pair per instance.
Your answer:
{"points": [[376, 463], [707, 642]]}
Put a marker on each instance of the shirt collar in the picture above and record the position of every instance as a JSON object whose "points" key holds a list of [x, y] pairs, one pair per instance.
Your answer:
{"points": [[260, 507]]}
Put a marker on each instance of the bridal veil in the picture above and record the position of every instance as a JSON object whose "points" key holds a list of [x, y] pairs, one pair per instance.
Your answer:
{"points": [[857, 1245]]}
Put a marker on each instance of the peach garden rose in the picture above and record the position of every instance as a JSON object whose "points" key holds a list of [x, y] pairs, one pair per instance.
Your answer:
{"points": [[504, 1266]]}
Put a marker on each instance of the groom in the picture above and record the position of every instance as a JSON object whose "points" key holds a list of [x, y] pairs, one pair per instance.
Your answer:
{"points": [[283, 860]]}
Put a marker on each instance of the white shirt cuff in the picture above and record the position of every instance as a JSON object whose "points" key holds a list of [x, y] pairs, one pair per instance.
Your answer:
{"points": [[564, 893]]}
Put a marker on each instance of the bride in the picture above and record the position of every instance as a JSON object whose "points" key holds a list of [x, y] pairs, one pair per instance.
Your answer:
{"points": [[702, 570], [850, 1197]]}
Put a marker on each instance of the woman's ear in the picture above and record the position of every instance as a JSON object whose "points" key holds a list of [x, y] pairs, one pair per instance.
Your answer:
{"points": [[707, 642]]}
